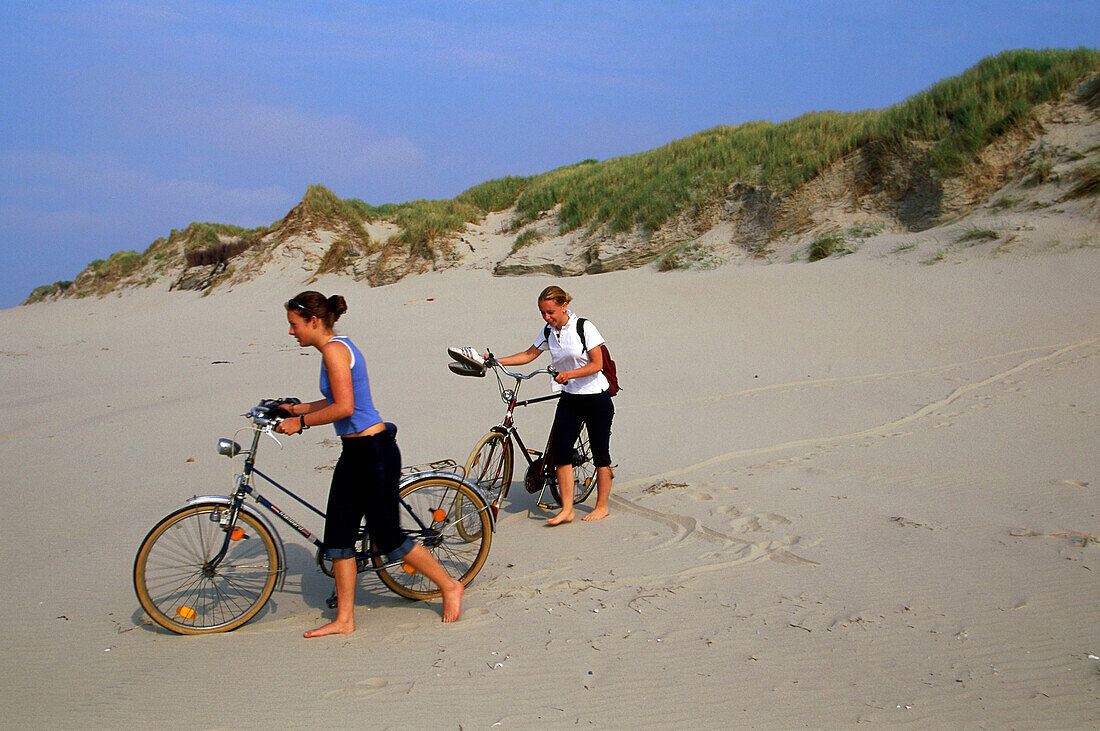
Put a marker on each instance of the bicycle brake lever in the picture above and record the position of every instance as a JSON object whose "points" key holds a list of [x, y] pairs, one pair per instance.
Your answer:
{"points": [[271, 433]]}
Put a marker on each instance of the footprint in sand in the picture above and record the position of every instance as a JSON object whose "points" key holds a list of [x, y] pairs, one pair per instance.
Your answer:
{"points": [[474, 612], [363, 687], [760, 523]]}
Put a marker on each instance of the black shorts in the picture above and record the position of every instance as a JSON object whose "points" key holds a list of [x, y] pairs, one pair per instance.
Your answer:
{"points": [[366, 483], [594, 410]]}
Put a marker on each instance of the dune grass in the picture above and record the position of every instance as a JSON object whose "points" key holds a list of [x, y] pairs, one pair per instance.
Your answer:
{"points": [[826, 245], [40, 294], [424, 222], [956, 118], [1086, 182], [527, 238], [973, 235]]}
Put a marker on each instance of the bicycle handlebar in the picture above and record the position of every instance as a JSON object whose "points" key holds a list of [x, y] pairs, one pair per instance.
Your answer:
{"points": [[267, 414], [492, 362]]}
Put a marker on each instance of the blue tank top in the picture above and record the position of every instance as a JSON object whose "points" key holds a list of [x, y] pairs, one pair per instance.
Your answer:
{"points": [[365, 414]]}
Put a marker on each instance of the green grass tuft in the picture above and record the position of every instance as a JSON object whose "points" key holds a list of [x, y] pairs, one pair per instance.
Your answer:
{"points": [[976, 235], [827, 245], [494, 195], [526, 238], [1086, 182]]}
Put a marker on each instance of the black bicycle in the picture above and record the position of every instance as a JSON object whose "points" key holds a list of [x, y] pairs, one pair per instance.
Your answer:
{"points": [[492, 459], [211, 565]]}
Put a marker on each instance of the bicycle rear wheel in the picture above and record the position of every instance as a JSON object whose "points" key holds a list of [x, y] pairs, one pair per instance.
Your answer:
{"points": [[489, 466], [182, 593], [435, 503], [584, 470]]}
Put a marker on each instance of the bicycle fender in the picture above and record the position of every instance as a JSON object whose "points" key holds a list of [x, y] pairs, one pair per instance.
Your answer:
{"points": [[225, 500], [457, 478]]}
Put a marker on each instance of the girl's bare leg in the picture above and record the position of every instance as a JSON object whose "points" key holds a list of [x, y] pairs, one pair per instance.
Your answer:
{"points": [[423, 561], [345, 572], [565, 490], [603, 492]]}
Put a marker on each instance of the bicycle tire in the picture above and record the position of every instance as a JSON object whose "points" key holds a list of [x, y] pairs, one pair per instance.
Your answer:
{"points": [[584, 470], [489, 466], [176, 589], [435, 501]]}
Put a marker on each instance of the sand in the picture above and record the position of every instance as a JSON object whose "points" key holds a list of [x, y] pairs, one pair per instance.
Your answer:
{"points": [[857, 491]]}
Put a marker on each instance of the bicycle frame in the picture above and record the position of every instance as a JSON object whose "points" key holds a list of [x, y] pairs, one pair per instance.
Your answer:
{"points": [[541, 471], [244, 488], [507, 427], [510, 397]]}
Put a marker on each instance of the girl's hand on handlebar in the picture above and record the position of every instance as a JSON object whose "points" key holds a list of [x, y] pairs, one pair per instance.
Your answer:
{"points": [[561, 377], [290, 426]]}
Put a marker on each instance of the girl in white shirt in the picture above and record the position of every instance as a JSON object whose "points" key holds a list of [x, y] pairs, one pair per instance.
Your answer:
{"points": [[585, 398]]}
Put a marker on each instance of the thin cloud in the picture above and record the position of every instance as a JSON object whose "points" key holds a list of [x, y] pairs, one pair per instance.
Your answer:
{"points": [[47, 183], [313, 145]]}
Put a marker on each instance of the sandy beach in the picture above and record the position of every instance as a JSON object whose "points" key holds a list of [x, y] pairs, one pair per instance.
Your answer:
{"points": [[857, 491]]}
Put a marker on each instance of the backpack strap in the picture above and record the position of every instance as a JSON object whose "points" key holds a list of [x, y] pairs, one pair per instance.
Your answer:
{"points": [[580, 331]]}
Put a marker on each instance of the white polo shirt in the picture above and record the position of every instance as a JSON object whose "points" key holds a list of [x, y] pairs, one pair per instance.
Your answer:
{"points": [[567, 354]]}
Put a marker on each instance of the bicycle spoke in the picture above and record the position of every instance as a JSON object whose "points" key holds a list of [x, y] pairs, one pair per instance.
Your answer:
{"points": [[180, 590], [460, 554]]}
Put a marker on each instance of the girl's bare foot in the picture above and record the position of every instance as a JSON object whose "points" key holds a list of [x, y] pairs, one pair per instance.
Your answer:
{"points": [[452, 602], [562, 517], [598, 513], [332, 628]]}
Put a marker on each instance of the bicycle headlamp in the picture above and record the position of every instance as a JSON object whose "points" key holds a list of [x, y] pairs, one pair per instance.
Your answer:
{"points": [[228, 447]]}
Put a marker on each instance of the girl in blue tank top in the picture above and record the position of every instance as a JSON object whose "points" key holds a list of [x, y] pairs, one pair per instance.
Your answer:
{"points": [[364, 415], [365, 481]]}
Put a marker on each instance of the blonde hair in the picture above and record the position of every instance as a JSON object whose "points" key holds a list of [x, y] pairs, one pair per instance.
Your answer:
{"points": [[555, 294]]}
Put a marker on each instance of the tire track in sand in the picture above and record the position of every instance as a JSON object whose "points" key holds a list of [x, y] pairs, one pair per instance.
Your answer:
{"points": [[871, 431]]}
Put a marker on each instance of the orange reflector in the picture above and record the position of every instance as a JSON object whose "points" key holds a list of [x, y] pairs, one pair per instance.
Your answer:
{"points": [[186, 612], [237, 534], [439, 515], [408, 569]]}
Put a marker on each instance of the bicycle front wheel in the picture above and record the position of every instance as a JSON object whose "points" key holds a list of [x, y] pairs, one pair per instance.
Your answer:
{"points": [[182, 592], [584, 470], [489, 466], [434, 509]]}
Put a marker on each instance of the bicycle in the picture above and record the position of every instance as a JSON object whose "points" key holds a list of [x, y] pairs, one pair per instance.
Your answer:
{"points": [[211, 565], [492, 460]]}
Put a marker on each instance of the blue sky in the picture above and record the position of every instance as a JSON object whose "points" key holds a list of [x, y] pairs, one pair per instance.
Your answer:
{"points": [[125, 120]]}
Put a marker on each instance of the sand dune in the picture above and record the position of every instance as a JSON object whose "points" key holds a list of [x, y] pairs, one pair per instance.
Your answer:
{"points": [[855, 491]]}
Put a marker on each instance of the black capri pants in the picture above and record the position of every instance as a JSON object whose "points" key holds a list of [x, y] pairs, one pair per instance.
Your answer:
{"points": [[365, 482], [593, 409]]}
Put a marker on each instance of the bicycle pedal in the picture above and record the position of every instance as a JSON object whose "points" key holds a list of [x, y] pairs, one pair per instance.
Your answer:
{"points": [[331, 601]]}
